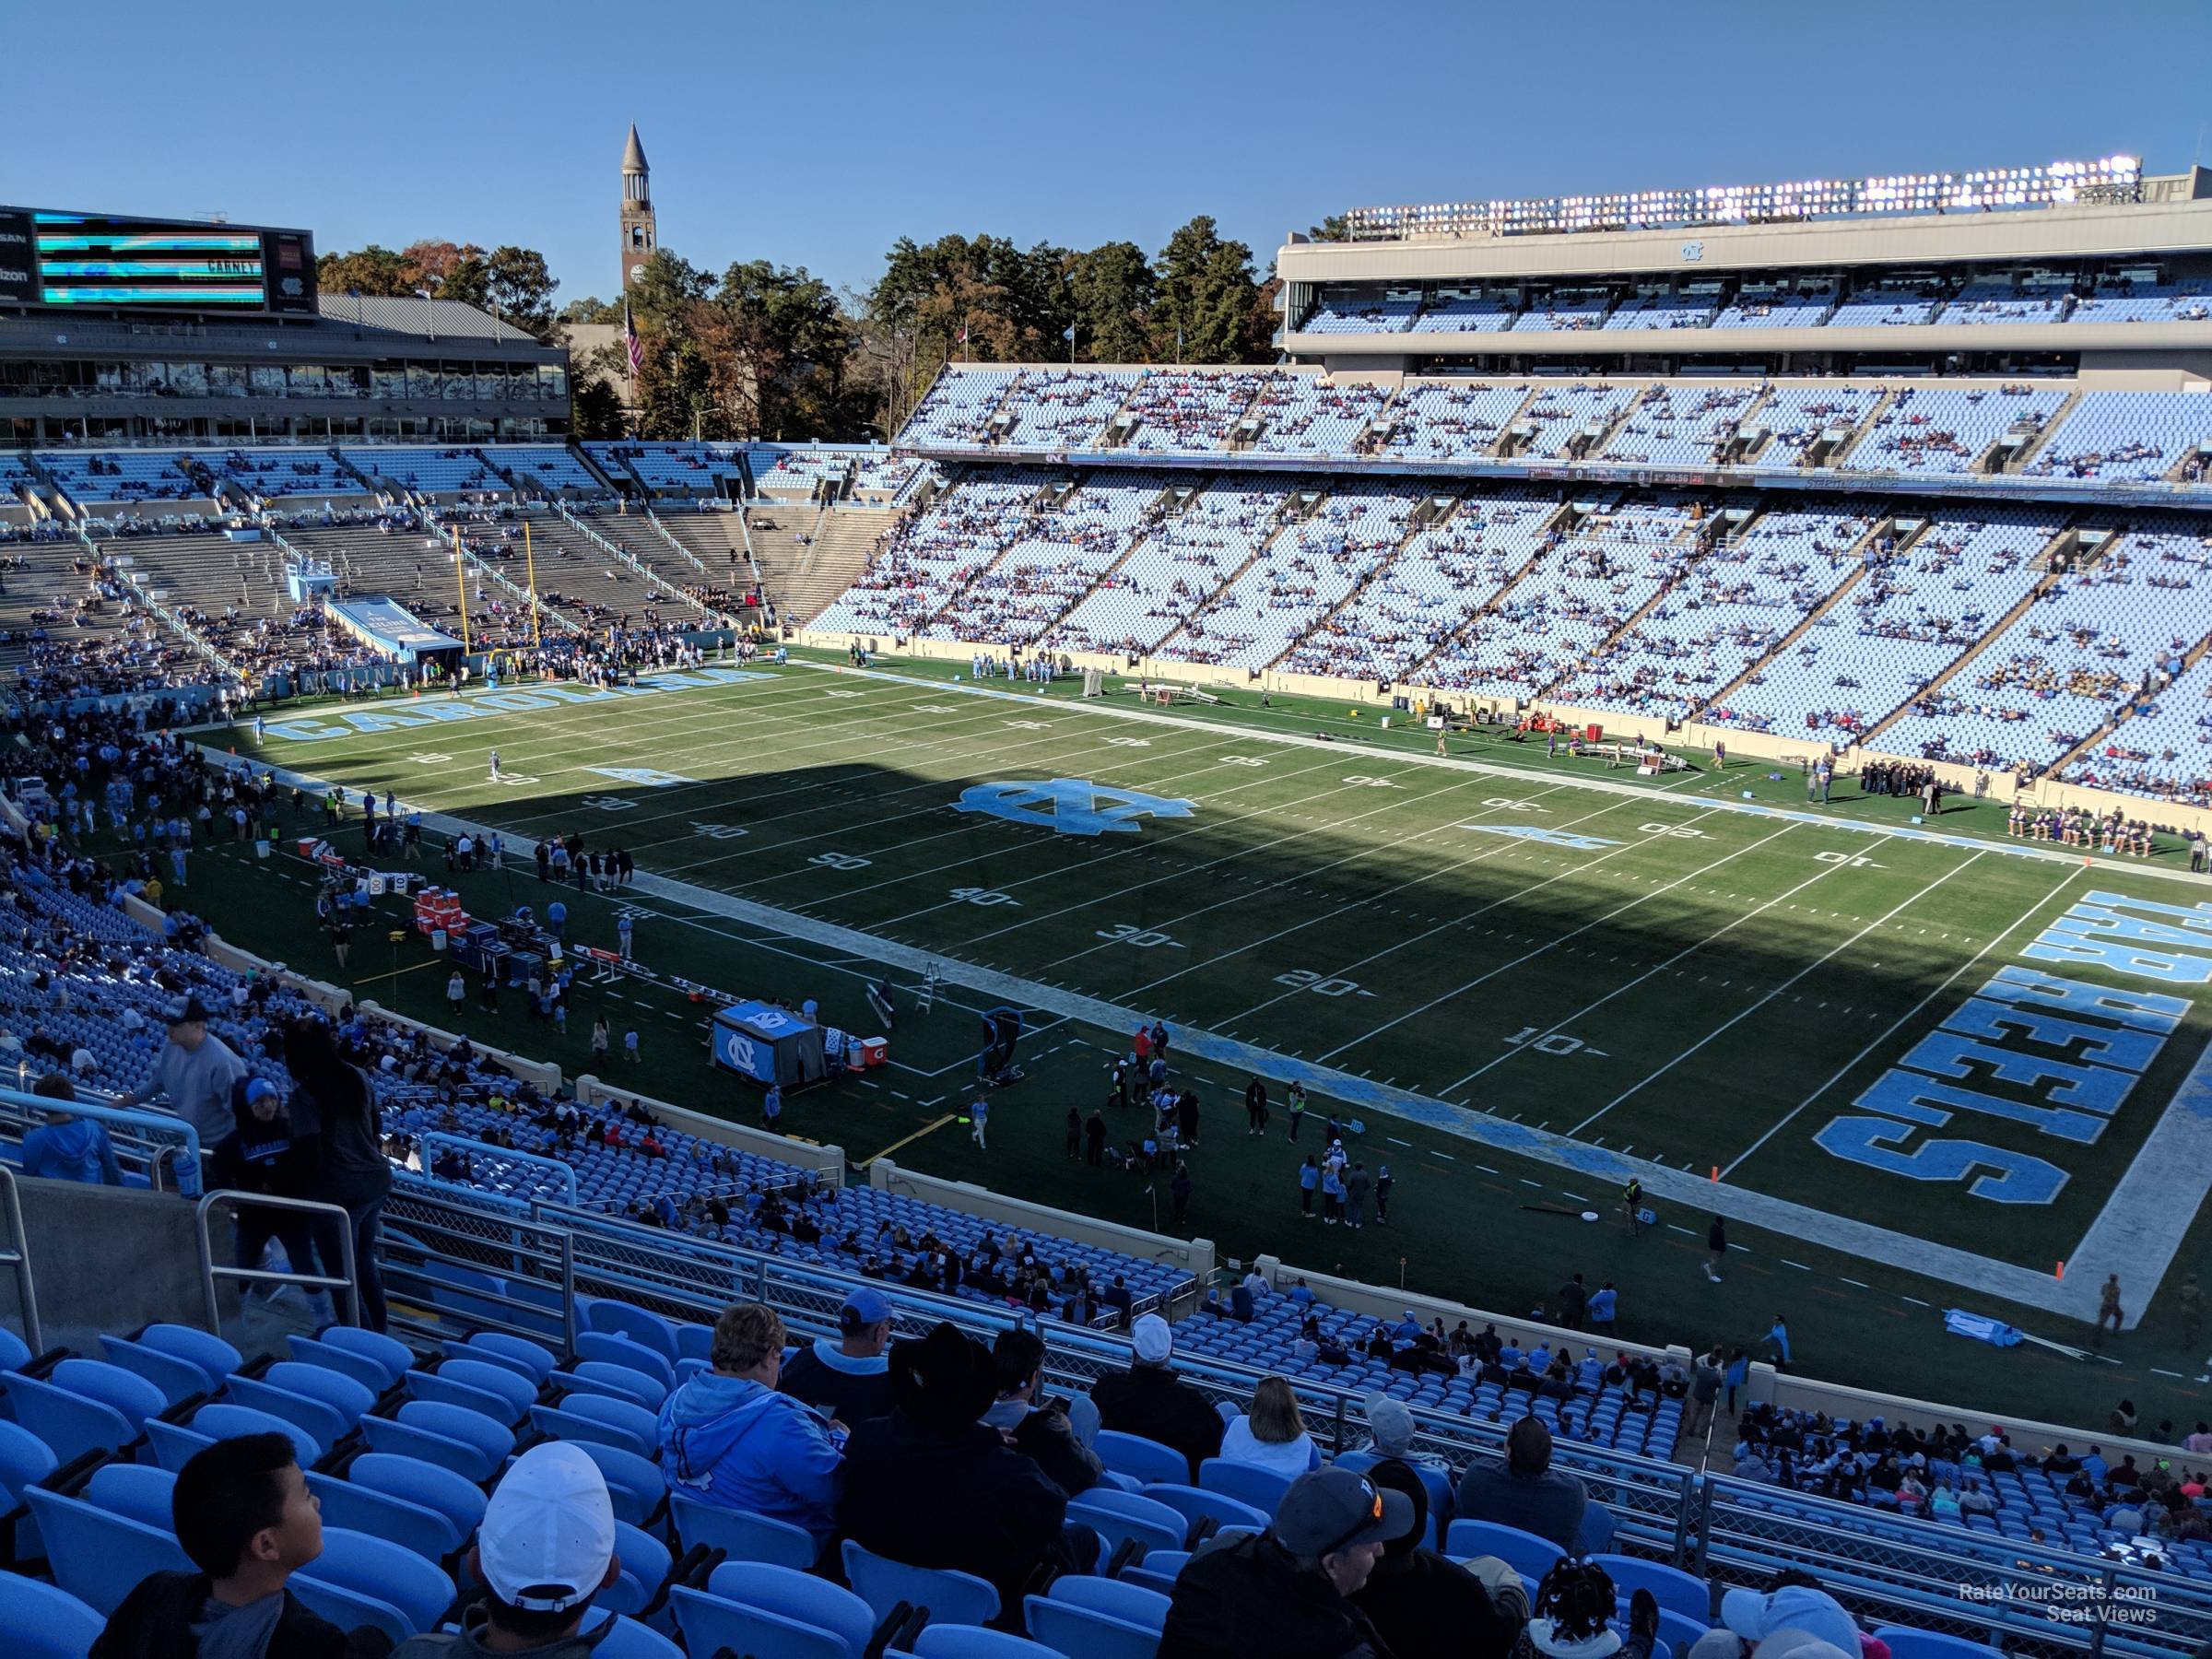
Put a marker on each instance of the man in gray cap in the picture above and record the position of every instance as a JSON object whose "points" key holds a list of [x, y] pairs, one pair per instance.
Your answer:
{"points": [[1285, 1593], [195, 1070]]}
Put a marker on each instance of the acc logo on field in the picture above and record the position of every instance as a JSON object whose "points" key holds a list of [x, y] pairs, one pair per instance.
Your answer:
{"points": [[1071, 806], [1537, 832]]}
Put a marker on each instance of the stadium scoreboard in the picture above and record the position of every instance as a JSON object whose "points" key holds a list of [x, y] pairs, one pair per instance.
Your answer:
{"points": [[95, 260]]}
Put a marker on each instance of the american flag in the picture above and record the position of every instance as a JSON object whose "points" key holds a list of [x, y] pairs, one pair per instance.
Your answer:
{"points": [[630, 343]]}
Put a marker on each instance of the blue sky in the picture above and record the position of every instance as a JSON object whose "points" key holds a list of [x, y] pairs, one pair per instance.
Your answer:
{"points": [[817, 134]]}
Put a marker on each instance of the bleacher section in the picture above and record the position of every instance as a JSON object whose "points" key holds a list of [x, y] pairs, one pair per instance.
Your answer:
{"points": [[2126, 435], [1052, 566], [550, 464], [1182, 561], [932, 557], [427, 471], [1942, 430], [274, 474], [94, 477], [2116, 300]]}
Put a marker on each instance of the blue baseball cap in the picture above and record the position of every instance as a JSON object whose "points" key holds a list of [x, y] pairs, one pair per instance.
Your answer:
{"points": [[260, 1088], [864, 1306]]}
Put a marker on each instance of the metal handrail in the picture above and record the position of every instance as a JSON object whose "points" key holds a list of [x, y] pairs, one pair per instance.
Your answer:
{"points": [[19, 1257], [18, 1099], [210, 1272]]}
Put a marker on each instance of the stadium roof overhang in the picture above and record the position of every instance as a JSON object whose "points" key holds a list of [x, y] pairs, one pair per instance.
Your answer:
{"points": [[2055, 235], [1995, 489], [2028, 338]]}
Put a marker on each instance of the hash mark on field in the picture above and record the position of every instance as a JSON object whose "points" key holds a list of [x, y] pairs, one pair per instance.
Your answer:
{"points": [[1394, 1141], [1913, 1299], [1484, 1168], [1859, 1283], [1683, 1230], [1527, 1182], [1787, 1262]]}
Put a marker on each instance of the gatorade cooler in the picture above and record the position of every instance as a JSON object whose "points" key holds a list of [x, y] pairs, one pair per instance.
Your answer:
{"points": [[872, 1051]]}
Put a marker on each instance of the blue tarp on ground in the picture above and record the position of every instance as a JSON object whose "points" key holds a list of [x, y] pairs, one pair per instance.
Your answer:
{"points": [[389, 627], [1979, 1328]]}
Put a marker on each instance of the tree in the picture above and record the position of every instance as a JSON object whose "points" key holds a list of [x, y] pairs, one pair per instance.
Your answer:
{"points": [[371, 270], [1207, 298], [1332, 228], [594, 408], [591, 310], [1113, 289], [793, 345]]}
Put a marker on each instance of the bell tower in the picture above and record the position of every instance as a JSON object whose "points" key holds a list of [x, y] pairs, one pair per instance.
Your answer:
{"points": [[639, 238]]}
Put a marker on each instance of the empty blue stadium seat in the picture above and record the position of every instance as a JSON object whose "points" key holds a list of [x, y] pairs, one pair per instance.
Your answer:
{"points": [[628, 1639], [1673, 1589], [370, 1372], [951, 1597], [174, 1443], [613, 1350], [743, 1536], [40, 1621], [1524, 1552], [347, 1608], [449, 1494], [136, 1491], [215, 1357], [498, 1348], [589, 1418], [1158, 1571], [645, 1567], [69, 1423], [1908, 1643], [649, 1330], [1195, 1504], [773, 1613], [375, 1567], [392, 1357], [177, 1379], [1263, 1488], [973, 1641], [99, 1557], [1082, 1633], [1118, 1517], [428, 1429], [495, 1405], [1132, 1602], [323, 1421], [1147, 1459], [634, 1483], [364, 1508]]}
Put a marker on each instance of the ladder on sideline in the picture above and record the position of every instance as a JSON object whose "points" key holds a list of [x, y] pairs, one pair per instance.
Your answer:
{"points": [[926, 999]]}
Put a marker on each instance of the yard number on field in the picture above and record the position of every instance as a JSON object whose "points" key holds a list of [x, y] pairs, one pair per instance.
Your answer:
{"points": [[717, 832], [1305, 979], [1558, 1042], [1365, 781], [1243, 761], [841, 861], [1675, 831], [606, 804], [1849, 860], [1126, 932], [986, 895]]}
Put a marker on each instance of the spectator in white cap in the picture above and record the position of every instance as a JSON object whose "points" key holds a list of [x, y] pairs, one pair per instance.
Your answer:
{"points": [[546, 1548], [1152, 1400]]}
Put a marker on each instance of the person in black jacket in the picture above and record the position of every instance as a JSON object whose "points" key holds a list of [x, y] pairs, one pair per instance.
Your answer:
{"points": [[1150, 1400], [242, 1510], [265, 1153], [848, 1378], [334, 1099], [1287, 1593], [929, 1486], [1048, 1432], [1428, 1606]]}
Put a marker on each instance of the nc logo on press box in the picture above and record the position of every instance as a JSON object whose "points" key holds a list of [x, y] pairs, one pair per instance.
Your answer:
{"points": [[1071, 806]]}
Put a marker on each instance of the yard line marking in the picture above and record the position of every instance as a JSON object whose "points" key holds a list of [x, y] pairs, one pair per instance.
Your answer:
{"points": [[1898, 1024], [1913, 1299], [1770, 995], [1683, 1230], [1394, 1141], [1527, 1182], [1539, 950], [2158, 1371], [1486, 1169], [1787, 1262], [1859, 1283]]}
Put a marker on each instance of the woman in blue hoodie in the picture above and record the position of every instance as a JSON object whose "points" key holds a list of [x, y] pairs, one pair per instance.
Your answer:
{"points": [[729, 1439]]}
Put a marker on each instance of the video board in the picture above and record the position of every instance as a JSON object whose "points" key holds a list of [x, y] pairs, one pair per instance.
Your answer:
{"points": [[106, 260]]}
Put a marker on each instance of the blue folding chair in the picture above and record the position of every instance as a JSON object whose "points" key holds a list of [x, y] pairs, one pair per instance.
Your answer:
{"points": [[97, 1556], [136, 1491], [386, 1572], [69, 1424], [434, 1440], [648, 1330], [174, 1443], [1119, 1517], [449, 1494], [617, 1382], [177, 1379], [125, 1390], [324, 1421], [1908, 1643], [348, 1610], [1673, 1589], [645, 1567], [1080, 1633], [1263, 1488], [773, 1613], [25, 1460], [364, 1508], [370, 1373], [518, 1353], [1133, 1604], [628, 1639], [972, 1641], [395, 1359], [493, 1405], [1195, 1504], [1524, 1552], [743, 1536], [348, 1396], [609, 1421], [1147, 1459], [40, 1621], [951, 1597], [634, 1483], [1157, 1572], [603, 1347]]}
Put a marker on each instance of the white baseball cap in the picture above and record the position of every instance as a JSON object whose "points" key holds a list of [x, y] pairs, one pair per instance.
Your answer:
{"points": [[1152, 1338], [548, 1532]]}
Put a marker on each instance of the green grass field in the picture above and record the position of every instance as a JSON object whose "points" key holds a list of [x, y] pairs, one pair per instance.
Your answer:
{"points": [[1528, 976]]}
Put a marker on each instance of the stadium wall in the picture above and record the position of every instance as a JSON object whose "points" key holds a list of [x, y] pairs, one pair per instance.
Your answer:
{"points": [[1195, 1256], [824, 1160]]}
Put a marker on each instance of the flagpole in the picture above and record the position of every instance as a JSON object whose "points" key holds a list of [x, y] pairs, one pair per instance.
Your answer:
{"points": [[529, 565], [461, 582]]}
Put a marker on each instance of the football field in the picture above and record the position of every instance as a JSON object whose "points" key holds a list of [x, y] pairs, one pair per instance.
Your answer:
{"points": [[1921, 1046]]}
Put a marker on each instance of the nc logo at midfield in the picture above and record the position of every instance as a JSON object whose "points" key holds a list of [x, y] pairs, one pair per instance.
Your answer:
{"points": [[1071, 806]]}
